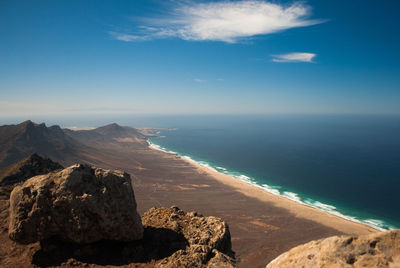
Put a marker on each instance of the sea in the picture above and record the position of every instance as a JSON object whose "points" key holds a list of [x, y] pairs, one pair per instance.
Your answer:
{"points": [[346, 165]]}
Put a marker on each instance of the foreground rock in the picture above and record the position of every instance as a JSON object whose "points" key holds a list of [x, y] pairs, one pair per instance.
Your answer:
{"points": [[29, 167], [374, 250], [79, 204], [208, 238], [172, 238]]}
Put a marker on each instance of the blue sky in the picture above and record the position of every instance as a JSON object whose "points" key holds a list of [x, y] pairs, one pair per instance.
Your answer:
{"points": [[199, 57]]}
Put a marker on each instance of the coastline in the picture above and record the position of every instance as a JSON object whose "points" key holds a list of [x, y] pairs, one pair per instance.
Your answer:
{"points": [[299, 209]]}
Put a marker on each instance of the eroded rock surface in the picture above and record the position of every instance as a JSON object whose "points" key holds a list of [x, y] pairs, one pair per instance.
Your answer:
{"points": [[172, 238], [78, 204], [208, 238], [373, 250]]}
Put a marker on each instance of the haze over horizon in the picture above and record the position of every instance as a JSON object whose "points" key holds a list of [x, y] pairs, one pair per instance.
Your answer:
{"points": [[228, 131], [93, 58]]}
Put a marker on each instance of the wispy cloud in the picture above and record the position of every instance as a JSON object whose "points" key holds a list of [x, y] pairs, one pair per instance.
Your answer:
{"points": [[221, 21], [128, 37], [294, 57], [198, 80]]}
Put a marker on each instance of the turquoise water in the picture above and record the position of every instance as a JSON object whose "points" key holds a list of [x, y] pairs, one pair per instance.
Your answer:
{"points": [[347, 166]]}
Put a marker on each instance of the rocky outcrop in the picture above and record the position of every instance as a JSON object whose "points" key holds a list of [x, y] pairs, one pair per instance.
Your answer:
{"points": [[208, 238], [373, 250], [84, 215], [79, 204], [29, 167], [172, 238]]}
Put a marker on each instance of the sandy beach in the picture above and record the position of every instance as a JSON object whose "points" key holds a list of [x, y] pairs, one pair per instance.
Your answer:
{"points": [[300, 210], [262, 225]]}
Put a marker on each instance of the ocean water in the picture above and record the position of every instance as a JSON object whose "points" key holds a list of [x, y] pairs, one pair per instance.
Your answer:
{"points": [[346, 165]]}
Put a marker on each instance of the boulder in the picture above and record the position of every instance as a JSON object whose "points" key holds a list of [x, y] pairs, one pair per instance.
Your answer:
{"points": [[172, 239], [381, 249], [208, 238], [79, 204]]}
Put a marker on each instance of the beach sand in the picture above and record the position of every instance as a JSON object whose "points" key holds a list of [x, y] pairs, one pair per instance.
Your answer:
{"points": [[300, 210], [262, 225]]}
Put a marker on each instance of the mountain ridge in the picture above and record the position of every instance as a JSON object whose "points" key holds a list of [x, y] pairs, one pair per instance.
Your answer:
{"points": [[29, 167], [63, 145]]}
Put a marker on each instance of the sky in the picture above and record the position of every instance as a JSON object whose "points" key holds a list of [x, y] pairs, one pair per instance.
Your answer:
{"points": [[93, 57]]}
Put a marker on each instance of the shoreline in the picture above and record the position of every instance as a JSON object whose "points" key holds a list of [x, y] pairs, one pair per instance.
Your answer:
{"points": [[298, 208]]}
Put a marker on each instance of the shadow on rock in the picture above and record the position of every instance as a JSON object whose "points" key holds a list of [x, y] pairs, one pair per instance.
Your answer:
{"points": [[157, 243]]}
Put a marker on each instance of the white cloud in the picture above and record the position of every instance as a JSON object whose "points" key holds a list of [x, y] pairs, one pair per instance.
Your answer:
{"points": [[128, 37], [294, 57], [198, 80], [222, 21]]}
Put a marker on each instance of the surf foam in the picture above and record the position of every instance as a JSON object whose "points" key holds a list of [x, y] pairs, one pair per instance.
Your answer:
{"points": [[375, 223]]}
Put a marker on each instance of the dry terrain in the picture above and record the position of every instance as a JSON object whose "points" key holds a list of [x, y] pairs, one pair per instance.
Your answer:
{"points": [[262, 225]]}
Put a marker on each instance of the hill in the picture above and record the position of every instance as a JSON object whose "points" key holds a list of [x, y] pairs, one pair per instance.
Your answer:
{"points": [[31, 166], [111, 135], [66, 146], [26, 138]]}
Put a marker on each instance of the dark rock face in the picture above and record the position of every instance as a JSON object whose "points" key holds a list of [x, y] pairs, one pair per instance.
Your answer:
{"points": [[29, 167], [172, 238], [79, 204], [157, 243], [209, 241], [381, 249]]}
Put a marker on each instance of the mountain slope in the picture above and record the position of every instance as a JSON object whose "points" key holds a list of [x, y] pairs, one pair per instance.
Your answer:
{"points": [[29, 167], [19, 141], [114, 130], [66, 146], [112, 135]]}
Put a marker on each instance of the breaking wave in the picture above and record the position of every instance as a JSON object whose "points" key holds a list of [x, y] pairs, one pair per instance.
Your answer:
{"points": [[277, 190]]}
